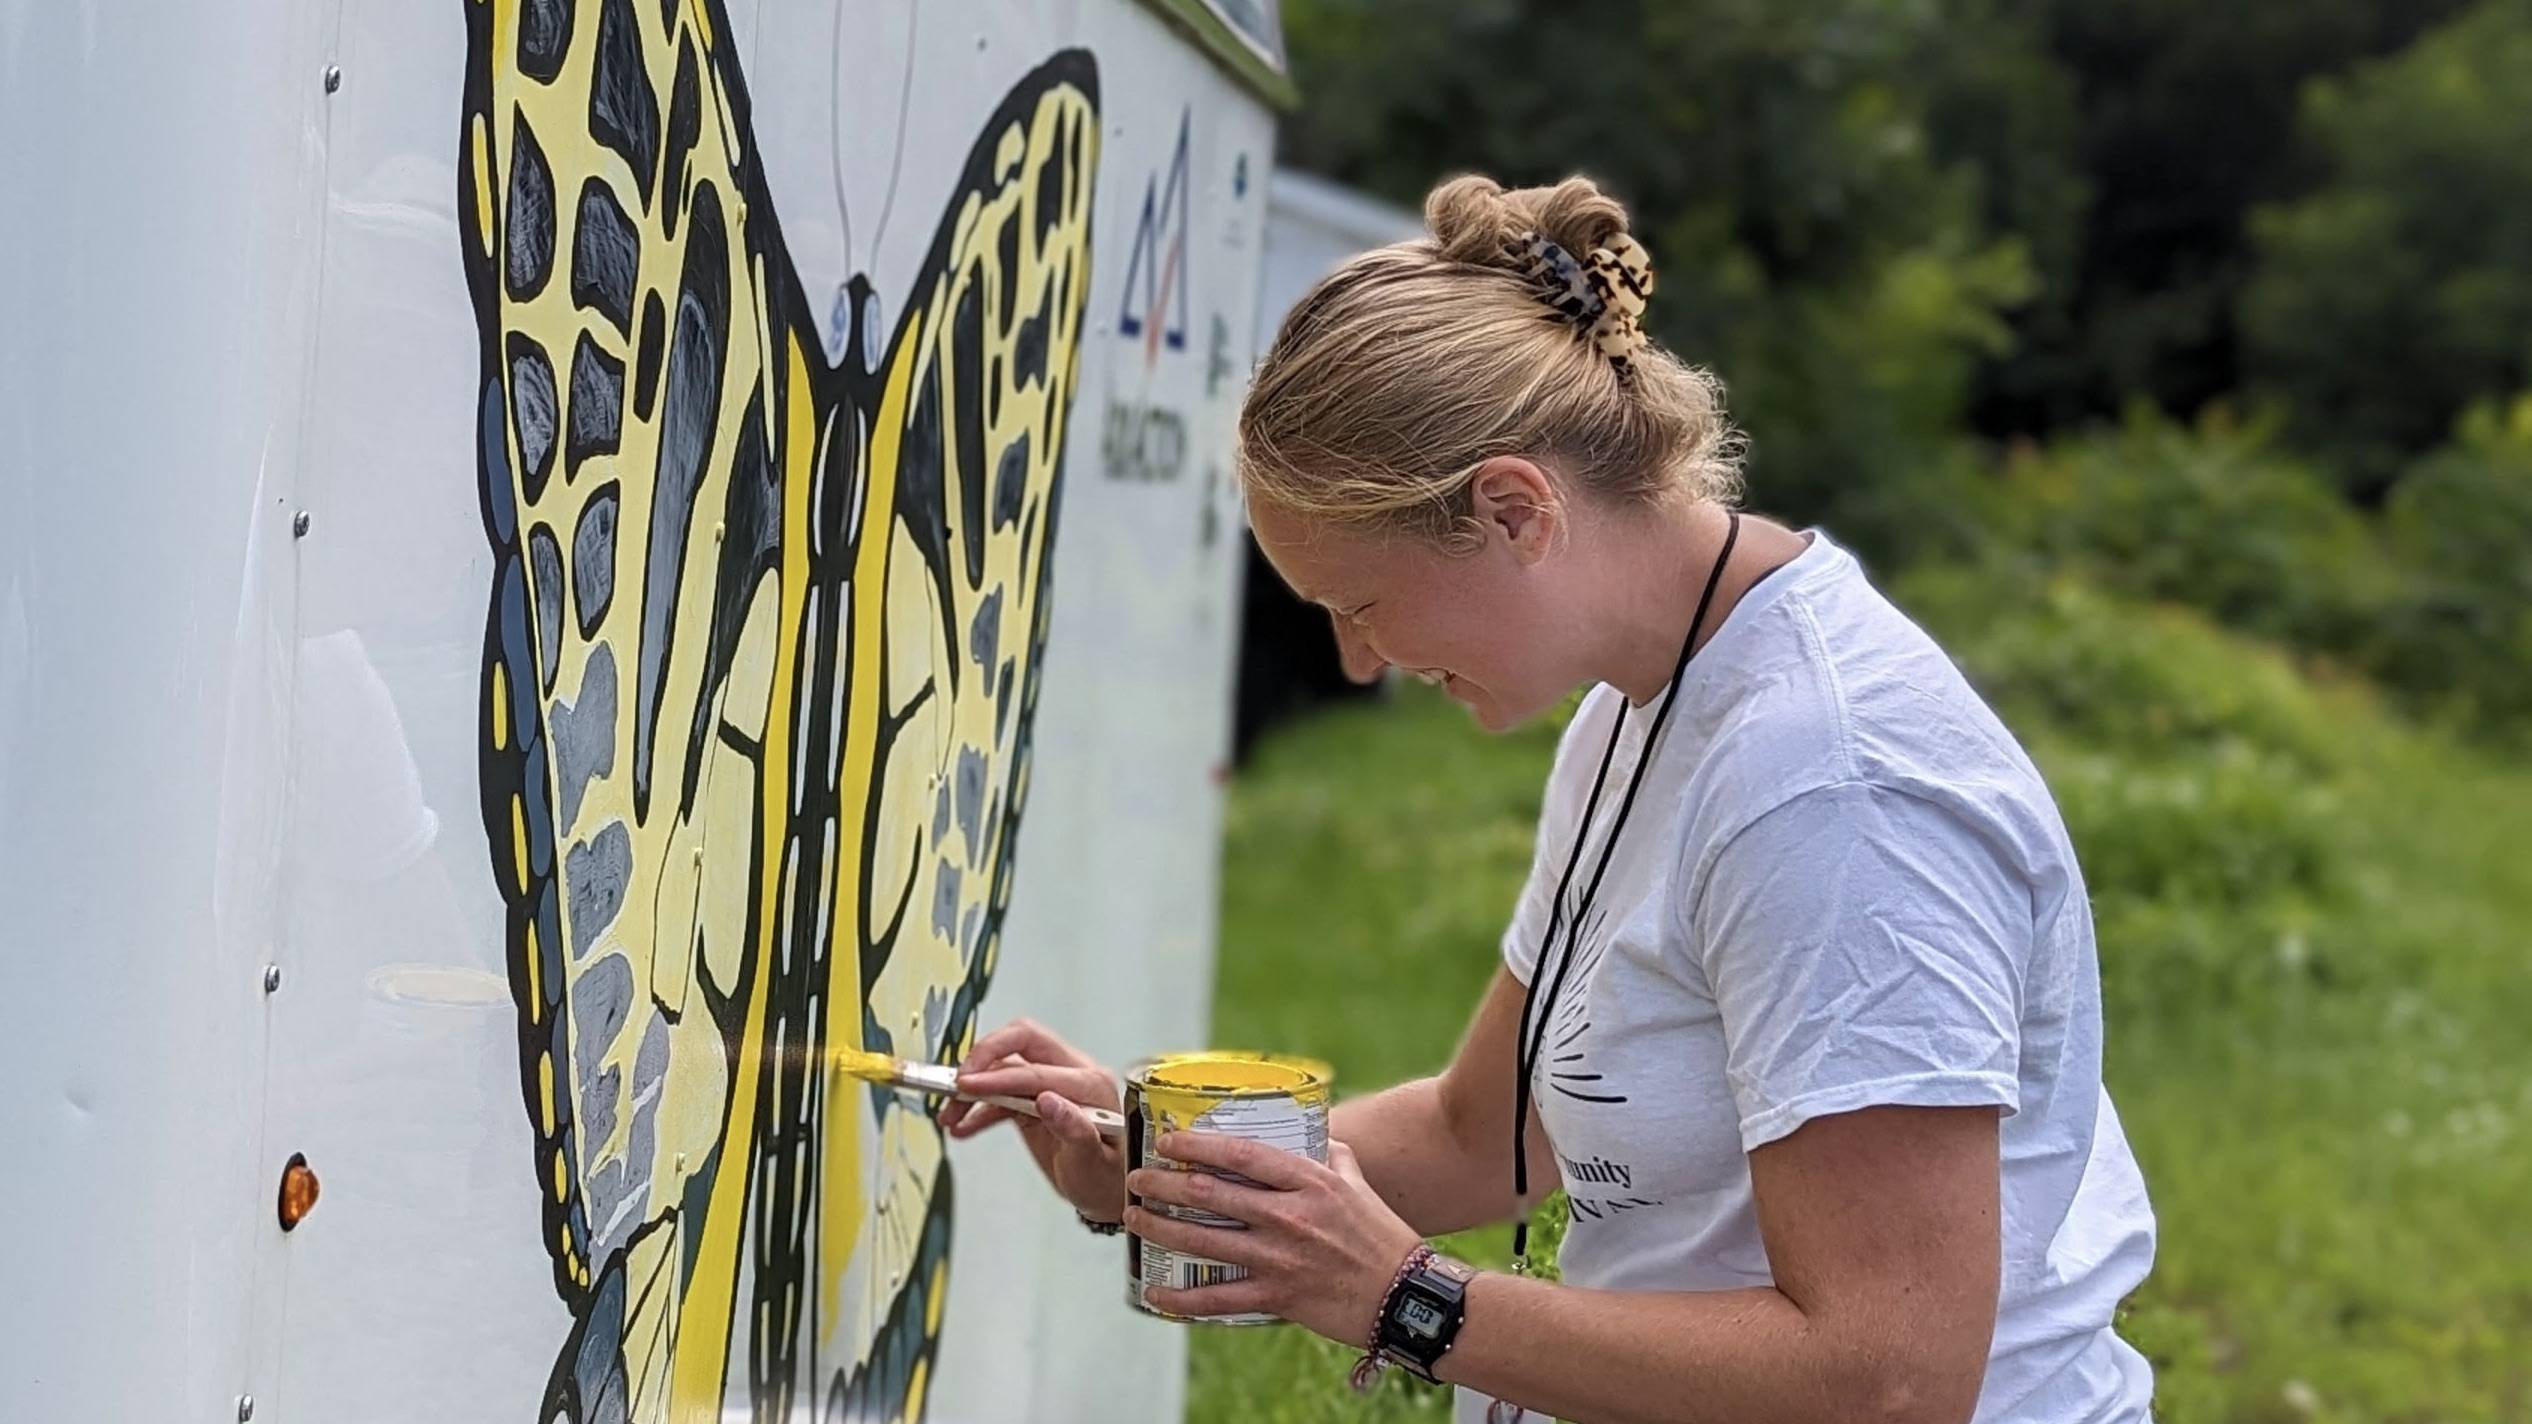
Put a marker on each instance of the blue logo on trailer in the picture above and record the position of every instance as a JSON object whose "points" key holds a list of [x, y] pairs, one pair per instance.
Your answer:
{"points": [[1155, 305]]}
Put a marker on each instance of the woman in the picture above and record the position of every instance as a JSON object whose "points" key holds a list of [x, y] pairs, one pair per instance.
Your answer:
{"points": [[1800, 1004]]}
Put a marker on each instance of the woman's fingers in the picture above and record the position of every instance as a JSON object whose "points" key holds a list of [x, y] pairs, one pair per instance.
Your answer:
{"points": [[1201, 1190], [1060, 1115], [1228, 1244], [1027, 1039], [974, 1118], [1067, 1121], [1241, 1297], [1341, 1161], [1260, 1162], [1091, 1086]]}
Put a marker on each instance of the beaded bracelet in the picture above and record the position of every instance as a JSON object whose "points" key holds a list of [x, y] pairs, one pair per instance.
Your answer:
{"points": [[1367, 1370]]}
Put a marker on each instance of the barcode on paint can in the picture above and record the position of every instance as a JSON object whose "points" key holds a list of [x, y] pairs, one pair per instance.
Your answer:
{"points": [[1195, 1274]]}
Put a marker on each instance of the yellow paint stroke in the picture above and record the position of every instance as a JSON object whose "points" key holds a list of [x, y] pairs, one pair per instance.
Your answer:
{"points": [[707, 1313], [545, 1090], [500, 707], [483, 181], [868, 1067], [536, 997], [518, 841], [914, 1390]]}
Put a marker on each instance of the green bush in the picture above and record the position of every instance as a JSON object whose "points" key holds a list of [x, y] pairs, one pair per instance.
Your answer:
{"points": [[2432, 598], [2229, 828], [2461, 521], [2054, 651], [2216, 516]]}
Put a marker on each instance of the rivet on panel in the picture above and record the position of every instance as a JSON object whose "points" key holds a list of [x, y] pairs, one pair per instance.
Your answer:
{"points": [[272, 978], [299, 524], [333, 77]]}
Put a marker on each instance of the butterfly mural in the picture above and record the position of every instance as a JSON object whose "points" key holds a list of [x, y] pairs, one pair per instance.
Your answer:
{"points": [[763, 645]]}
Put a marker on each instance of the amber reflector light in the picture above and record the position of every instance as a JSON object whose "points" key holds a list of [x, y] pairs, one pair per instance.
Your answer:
{"points": [[298, 1190]]}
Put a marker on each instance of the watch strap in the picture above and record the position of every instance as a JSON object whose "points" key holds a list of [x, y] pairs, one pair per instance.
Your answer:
{"points": [[1437, 1284], [1366, 1371]]}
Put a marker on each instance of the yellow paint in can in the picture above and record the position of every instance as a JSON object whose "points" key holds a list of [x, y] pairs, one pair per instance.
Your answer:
{"points": [[1272, 1098]]}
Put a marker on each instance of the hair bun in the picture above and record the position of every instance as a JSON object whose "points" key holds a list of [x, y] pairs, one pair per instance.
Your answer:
{"points": [[1476, 220]]}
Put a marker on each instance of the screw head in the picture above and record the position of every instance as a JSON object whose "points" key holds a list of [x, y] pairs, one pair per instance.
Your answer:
{"points": [[333, 77], [299, 524], [272, 978]]}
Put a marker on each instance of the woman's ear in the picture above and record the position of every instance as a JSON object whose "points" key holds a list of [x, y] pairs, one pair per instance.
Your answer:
{"points": [[1514, 497]]}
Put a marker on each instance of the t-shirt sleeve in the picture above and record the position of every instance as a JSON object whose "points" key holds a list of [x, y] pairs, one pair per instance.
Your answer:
{"points": [[1865, 947]]}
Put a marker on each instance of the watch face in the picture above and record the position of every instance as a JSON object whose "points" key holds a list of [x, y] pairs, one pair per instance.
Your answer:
{"points": [[1420, 1316]]}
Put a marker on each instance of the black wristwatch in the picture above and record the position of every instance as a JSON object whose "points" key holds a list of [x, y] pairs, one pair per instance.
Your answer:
{"points": [[1422, 1316]]}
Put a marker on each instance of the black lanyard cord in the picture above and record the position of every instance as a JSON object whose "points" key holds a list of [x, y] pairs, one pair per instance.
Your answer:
{"points": [[1556, 921], [1532, 1038]]}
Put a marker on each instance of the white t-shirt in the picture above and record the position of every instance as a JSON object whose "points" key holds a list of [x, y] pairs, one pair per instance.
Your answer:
{"points": [[1843, 884]]}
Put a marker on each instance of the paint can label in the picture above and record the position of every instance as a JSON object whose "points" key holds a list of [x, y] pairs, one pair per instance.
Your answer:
{"points": [[1275, 1100]]}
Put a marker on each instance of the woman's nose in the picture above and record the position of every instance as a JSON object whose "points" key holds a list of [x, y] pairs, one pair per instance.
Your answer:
{"points": [[1361, 664]]}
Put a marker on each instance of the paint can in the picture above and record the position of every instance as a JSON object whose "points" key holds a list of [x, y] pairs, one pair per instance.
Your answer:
{"points": [[1277, 1100]]}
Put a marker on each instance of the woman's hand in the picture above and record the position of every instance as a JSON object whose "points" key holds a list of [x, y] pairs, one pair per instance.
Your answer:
{"points": [[1321, 1246], [1022, 1060]]}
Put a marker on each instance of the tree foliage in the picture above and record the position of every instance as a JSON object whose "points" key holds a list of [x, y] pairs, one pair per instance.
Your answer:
{"points": [[2398, 292], [1993, 279]]}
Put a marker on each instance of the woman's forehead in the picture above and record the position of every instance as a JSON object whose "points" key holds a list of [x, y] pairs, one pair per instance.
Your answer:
{"points": [[1320, 558]]}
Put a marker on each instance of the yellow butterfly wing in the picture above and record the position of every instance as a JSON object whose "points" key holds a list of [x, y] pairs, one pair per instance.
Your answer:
{"points": [[737, 594], [634, 411], [968, 432]]}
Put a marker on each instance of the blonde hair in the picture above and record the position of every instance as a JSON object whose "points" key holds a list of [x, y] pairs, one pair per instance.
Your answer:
{"points": [[1410, 365]]}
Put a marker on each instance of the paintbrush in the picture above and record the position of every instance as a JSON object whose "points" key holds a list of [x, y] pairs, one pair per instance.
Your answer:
{"points": [[941, 1080]]}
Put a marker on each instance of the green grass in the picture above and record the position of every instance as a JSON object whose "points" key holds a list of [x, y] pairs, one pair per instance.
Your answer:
{"points": [[2314, 923]]}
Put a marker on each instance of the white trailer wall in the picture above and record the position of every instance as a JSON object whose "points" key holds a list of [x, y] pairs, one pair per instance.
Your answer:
{"points": [[244, 584]]}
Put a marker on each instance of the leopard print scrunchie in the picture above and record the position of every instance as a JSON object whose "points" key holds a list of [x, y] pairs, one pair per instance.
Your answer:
{"points": [[1603, 295]]}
